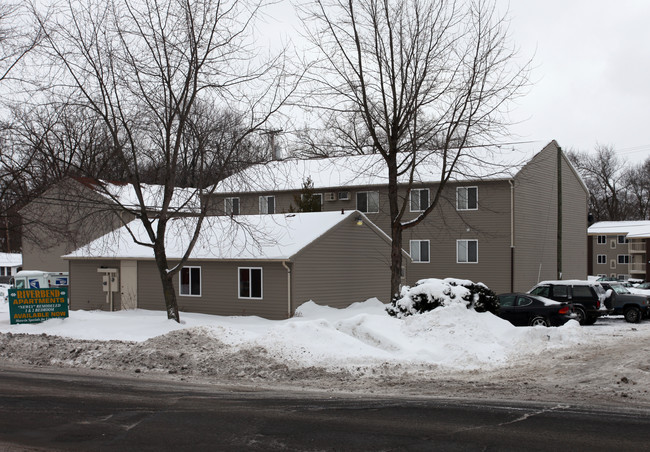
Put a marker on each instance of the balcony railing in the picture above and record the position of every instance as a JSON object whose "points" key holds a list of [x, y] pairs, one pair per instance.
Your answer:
{"points": [[637, 267], [636, 247]]}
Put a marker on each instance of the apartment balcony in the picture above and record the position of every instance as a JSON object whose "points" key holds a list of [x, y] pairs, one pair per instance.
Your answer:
{"points": [[636, 247], [636, 267]]}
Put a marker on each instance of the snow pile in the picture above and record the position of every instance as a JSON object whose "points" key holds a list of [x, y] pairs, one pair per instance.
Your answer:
{"points": [[429, 294], [358, 339]]}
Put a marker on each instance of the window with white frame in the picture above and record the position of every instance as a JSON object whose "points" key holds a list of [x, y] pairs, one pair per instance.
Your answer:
{"points": [[420, 250], [368, 201], [623, 258], [231, 206], [467, 198], [267, 204], [602, 239], [466, 251], [622, 239], [602, 258], [190, 281], [250, 282], [419, 199]]}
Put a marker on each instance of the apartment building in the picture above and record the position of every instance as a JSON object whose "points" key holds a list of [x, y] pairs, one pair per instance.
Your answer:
{"points": [[507, 218], [619, 249]]}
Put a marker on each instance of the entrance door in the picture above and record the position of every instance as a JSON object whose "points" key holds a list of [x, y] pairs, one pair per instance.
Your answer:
{"points": [[129, 284]]}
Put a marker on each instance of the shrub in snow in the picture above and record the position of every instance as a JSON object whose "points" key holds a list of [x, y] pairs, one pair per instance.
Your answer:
{"points": [[428, 294]]}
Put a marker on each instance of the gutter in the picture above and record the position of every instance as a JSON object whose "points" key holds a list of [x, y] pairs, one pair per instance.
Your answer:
{"points": [[284, 264]]}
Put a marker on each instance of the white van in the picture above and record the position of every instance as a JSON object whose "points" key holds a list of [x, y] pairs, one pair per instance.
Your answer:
{"points": [[36, 279]]}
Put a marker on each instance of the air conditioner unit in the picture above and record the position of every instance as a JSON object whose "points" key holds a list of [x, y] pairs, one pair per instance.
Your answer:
{"points": [[344, 196], [330, 196]]}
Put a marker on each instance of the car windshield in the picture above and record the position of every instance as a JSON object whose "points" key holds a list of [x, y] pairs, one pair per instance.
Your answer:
{"points": [[619, 289]]}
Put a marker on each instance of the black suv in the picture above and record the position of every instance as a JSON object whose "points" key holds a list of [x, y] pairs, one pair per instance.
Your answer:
{"points": [[587, 297], [633, 307]]}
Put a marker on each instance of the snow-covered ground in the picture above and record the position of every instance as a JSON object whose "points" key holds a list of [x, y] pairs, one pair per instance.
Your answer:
{"points": [[451, 351]]}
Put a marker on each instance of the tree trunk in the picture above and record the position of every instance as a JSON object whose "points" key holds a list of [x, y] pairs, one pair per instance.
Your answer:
{"points": [[171, 304], [395, 228], [396, 260]]}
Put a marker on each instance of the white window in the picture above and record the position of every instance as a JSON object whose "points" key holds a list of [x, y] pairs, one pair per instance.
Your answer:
{"points": [[231, 206], [267, 204], [602, 258], [467, 198], [368, 201], [344, 196], [250, 283], [466, 251], [190, 281], [602, 239], [420, 250], [419, 199], [622, 239], [623, 258]]}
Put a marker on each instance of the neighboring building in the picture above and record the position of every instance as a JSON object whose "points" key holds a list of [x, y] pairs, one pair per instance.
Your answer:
{"points": [[75, 211], [504, 219], [619, 249], [251, 265], [10, 263]]}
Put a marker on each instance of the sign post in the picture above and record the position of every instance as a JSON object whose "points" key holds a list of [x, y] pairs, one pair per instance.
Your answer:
{"points": [[37, 305]]}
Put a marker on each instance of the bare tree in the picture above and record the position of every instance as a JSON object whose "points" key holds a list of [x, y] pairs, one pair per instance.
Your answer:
{"points": [[636, 180], [146, 68], [416, 77], [604, 175], [18, 36]]}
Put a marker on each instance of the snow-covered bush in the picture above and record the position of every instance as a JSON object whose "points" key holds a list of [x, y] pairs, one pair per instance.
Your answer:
{"points": [[428, 294]]}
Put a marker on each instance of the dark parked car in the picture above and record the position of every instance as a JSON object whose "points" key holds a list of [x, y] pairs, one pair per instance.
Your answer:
{"points": [[586, 297], [633, 306], [522, 309]]}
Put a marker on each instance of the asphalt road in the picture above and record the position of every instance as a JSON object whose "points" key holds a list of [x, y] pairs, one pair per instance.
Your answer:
{"points": [[55, 410]]}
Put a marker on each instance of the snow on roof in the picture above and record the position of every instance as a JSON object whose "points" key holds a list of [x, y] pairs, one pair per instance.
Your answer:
{"points": [[183, 199], [260, 237], [631, 229], [370, 170], [11, 259]]}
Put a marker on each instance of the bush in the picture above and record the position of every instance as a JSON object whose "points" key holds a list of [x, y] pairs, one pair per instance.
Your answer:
{"points": [[428, 294]]}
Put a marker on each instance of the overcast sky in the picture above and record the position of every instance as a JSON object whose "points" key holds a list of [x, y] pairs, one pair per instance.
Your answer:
{"points": [[591, 81], [590, 77]]}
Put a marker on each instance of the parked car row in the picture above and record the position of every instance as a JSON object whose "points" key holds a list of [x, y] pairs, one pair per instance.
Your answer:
{"points": [[553, 303]]}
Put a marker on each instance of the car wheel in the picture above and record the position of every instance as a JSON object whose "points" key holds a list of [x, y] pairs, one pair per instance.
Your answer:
{"points": [[582, 316], [591, 320], [539, 321], [633, 315]]}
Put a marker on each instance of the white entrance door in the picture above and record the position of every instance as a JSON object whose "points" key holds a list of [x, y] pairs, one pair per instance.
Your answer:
{"points": [[129, 284]]}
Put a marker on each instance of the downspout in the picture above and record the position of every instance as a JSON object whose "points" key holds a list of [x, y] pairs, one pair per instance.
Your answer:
{"points": [[512, 235], [559, 212], [284, 264]]}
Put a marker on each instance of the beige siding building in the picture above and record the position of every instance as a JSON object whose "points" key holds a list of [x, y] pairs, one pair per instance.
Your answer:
{"points": [[508, 221], [620, 249], [77, 210], [250, 265]]}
